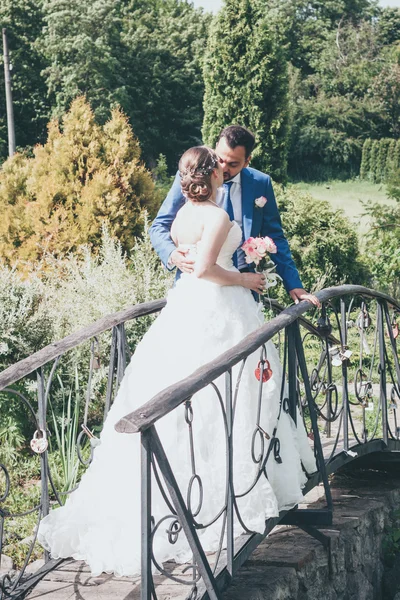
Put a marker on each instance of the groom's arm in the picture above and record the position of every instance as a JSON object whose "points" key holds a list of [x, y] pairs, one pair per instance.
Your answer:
{"points": [[272, 226], [160, 230]]}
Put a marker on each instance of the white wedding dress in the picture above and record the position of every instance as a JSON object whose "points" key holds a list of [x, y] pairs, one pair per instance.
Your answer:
{"points": [[100, 522]]}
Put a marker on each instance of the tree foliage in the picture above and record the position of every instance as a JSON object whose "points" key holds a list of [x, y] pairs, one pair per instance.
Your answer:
{"points": [[23, 20], [343, 86], [246, 81], [144, 55], [85, 175], [339, 59]]}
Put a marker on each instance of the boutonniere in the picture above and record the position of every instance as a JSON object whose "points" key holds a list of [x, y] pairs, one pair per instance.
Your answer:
{"points": [[260, 202]]}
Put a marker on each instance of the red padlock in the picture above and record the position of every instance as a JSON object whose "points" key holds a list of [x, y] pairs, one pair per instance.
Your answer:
{"points": [[267, 372]]}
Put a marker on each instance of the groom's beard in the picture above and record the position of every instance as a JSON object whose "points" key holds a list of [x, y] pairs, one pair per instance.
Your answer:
{"points": [[228, 176]]}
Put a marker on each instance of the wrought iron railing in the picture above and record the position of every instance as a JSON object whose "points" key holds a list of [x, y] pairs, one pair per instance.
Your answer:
{"points": [[341, 376]]}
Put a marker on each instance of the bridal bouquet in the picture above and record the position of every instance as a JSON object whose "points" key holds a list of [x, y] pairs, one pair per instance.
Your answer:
{"points": [[256, 251]]}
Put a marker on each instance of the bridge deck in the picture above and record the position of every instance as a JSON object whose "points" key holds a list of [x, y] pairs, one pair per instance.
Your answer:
{"points": [[73, 580]]}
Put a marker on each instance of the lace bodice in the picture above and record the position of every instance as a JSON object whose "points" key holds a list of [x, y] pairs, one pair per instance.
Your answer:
{"points": [[230, 245]]}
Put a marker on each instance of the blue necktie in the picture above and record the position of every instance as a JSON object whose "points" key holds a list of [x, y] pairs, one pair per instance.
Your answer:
{"points": [[227, 205]]}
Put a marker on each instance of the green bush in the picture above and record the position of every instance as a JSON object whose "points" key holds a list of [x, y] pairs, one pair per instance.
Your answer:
{"points": [[62, 295], [323, 242], [384, 244]]}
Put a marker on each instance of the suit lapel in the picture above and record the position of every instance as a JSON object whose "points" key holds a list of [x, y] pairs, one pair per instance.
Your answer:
{"points": [[250, 225]]}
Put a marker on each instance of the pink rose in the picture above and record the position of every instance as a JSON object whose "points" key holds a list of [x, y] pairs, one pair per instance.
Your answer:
{"points": [[262, 247], [270, 245], [261, 201], [252, 256], [249, 243]]}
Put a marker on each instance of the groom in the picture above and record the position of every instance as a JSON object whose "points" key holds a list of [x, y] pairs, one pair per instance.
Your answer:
{"points": [[249, 199]]}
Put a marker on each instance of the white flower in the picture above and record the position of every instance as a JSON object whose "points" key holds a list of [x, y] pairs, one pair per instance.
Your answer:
{"points": [[260, 202], [4, 349]]}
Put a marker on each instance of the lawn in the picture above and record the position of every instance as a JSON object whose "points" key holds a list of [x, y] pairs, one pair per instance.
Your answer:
{"points": [[348, 195]]}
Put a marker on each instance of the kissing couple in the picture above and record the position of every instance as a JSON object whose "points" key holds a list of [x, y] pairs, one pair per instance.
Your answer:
{"points": [[216, 202]]}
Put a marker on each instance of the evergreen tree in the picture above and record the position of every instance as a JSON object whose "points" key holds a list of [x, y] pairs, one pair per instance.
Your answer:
{"points": [[164, 42], [374, 160], [365, 159], [83, 177], [381, 161], [246, 81], [81, 43]]}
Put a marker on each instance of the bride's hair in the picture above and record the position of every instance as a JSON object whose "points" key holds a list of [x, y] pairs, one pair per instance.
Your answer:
{"points": [[195, 168]]}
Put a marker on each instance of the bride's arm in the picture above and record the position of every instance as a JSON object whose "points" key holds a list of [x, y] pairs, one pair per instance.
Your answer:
{"points": [[216, 229]]}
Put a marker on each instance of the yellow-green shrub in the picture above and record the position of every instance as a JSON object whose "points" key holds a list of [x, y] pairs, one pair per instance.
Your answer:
{"points": [[86, 175]]}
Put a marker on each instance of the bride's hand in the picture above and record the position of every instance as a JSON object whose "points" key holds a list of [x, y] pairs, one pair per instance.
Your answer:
{"points": [[253, 281]]}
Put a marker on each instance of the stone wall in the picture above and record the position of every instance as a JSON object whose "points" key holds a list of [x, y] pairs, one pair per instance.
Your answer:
{"points": [[290, 565]]}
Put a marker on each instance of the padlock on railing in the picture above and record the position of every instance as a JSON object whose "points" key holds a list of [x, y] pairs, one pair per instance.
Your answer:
{"points": [[267, 371], [363, 320], [39, 444], [339, 355], [395, 328]]}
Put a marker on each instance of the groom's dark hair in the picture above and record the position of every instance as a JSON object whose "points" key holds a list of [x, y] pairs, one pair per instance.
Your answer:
{"points": [[236, 135]]}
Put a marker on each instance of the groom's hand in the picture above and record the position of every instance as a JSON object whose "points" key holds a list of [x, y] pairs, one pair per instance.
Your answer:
{"points": [[298, 294], [179, 259]]}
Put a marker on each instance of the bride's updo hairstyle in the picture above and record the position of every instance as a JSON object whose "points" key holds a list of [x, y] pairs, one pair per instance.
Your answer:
{"points": [[195, 168]]}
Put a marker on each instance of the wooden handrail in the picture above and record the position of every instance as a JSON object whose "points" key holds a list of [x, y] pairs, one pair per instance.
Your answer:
{"points": [[172, 396], [50, 352]]}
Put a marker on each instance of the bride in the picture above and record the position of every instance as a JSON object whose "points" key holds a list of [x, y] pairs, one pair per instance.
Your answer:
{"points": [[207, 312]]}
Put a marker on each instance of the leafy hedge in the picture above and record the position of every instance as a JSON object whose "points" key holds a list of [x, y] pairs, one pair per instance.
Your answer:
{"points": [[380, 159]]}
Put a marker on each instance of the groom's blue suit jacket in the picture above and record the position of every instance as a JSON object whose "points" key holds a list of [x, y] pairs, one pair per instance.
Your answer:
{"points": [[256, 222]]}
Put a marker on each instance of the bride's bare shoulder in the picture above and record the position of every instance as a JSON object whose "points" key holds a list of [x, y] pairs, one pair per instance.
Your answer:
{"points": [[216, 216]]}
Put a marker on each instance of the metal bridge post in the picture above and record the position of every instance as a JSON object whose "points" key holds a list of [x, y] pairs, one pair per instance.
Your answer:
{"points": [[121, 352], [111, 370], [229, 508], [184, 516], [345, 390], [146, 582], [393, 345], [313, 416], [292, 370], [382, 371], [44, 495]]}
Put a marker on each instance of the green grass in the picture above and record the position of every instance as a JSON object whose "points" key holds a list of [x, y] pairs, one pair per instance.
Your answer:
{"points": [[347, 195]]}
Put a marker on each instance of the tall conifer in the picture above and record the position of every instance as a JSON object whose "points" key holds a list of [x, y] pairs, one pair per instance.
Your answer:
{"points": [[246, 81]]}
